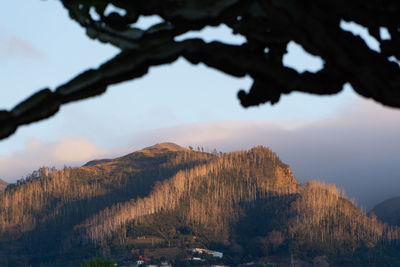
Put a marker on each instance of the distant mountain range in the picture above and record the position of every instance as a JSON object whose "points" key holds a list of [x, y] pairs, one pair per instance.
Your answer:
{"points": [[170, 204], [388, 211]]}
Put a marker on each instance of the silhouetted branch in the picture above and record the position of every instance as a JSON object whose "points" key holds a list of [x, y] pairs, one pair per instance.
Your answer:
{"points": [[270, 24]]}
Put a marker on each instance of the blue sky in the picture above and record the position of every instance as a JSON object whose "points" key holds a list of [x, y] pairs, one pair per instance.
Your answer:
{"points": [[41, 47], [48, 48]]}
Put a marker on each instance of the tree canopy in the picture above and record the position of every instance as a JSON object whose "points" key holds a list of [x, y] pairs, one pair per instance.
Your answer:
{"points": [[267, 25]]}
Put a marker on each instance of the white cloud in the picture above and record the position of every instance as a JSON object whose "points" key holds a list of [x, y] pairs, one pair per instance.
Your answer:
{"points": [[358, 149], [70, 151]]}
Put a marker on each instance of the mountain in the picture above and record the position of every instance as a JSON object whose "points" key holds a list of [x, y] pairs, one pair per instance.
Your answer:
{"points": [[388, 211], [164, 201], [156, 149], [166, 146], [3, 185]]}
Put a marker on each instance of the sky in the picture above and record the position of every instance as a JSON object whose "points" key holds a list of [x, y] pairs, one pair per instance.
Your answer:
{"points": [[343, 139]]}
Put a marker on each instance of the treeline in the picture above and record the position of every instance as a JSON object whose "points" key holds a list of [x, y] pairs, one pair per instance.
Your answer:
{"points": [[208, 194], [319, 219], [327, 222], [46, 190], [244, 201], [40, 195], [49, 203]]}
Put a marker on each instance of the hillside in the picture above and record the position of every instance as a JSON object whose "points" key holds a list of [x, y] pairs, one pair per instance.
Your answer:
{"points": [[3, 185], [388, 211], [164, 200]]}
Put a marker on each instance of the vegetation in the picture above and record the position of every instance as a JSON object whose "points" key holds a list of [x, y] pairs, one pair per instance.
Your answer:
{"points": [[326, 222], [208, 195], [161, 202]]}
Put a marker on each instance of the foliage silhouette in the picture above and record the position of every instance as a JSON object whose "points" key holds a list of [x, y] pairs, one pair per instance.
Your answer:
{"points": [[268, 25]]}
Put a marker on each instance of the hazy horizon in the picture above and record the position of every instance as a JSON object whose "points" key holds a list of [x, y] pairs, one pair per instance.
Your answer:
{"points": [[357, 150], [342, 139]]}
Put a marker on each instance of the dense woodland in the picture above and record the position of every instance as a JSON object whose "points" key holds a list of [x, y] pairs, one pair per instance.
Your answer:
{"points": [[245, 203]]}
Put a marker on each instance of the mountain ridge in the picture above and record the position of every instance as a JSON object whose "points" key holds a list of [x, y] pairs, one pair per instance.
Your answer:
{"points": [[388, 211], [246, 204], [157, 147], [166, 145]]}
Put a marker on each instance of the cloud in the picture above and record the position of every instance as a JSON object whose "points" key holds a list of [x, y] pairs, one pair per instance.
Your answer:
{"points": [[70, 151], [12, 46], [357, 149]]}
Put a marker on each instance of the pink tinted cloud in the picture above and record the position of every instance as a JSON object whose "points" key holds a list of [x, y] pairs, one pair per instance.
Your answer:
{"points": [[69, 151], [12, 46], [358, 148]]}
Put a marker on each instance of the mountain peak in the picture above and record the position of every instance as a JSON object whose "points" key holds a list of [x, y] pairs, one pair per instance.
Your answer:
{"points": [[149, 151], [166, 145]]}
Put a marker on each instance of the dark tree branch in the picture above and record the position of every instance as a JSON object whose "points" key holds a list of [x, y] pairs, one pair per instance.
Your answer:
{"points": [[270, 24]]}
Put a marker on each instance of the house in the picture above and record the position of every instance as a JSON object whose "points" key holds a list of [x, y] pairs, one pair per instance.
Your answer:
{"points": [[216, 254], [146, 259], [138, 263], [197, 259]]}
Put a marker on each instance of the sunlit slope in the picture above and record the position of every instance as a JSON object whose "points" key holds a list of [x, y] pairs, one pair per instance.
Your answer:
{"points": [[210, 194], [245, 203]]}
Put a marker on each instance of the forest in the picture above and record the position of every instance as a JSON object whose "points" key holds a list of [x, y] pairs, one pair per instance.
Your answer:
{"points": [[162, 201]]}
